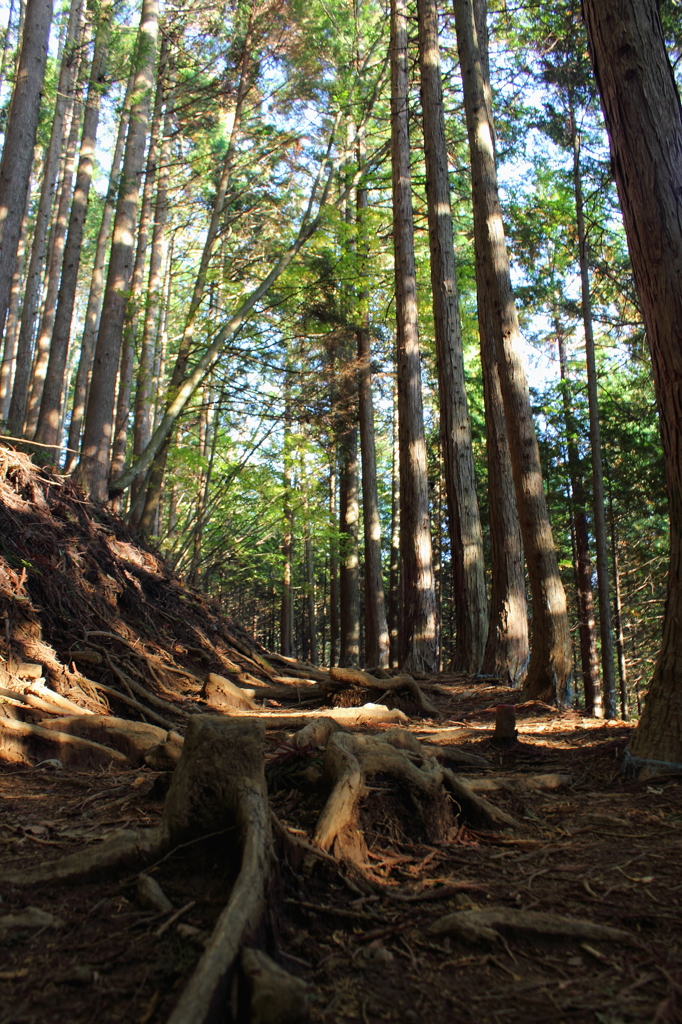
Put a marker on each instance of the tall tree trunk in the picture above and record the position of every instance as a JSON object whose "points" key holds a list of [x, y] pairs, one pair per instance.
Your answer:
{"points": [[333, 559], [466, 536], [144, 406], [644, 122], [20, 139], [618, 617], [132, 313], [155, 476], [210, 448], [287, 607], [419, 640], [310, 586], [13, 321], [394, 579], [50, 410], [54, 267], [34, 277], [586, 624], [349, 521], [598, 503], [376, 628], [6, 43], [550, 668], [506, 652], [92, 314], [93, 469]]}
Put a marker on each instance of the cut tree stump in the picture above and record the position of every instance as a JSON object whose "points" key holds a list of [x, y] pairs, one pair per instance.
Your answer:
{"points": [[220, 778], [352, 759], [505, 725]]}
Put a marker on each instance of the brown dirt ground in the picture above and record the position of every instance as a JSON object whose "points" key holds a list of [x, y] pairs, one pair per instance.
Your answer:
{"points": [[603, 848]]}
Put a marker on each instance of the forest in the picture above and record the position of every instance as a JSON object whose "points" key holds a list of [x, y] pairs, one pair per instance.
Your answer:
{"points": [[339, 399]]}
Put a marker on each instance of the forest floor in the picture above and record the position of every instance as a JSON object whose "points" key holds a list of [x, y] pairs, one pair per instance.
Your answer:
{"points": [[588, 843]]}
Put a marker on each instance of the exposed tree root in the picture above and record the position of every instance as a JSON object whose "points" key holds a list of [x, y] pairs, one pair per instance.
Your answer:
{"points": [[24, 741], [132, 703], [274, 996], [123, 848], [351, 760], [132, 739], [477, 809], [489, 925], [220, 692], [519, 783], [369, 714], [357, 677]]}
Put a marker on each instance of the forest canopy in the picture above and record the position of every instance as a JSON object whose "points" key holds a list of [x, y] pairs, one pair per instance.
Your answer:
{"points": [[353, 312]]}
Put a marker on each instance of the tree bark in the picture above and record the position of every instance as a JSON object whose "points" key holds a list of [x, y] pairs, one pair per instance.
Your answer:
{"points": [[333, 558], [466, 536], [92, 314], [34, 276], [20, 138], [349, 523], [506, 652], [144, 406], [586, 624], [419, 640], [54, 267], [644, 122], [50, 410], [598, 503], [551, 665], [376, 628], [310, 588], [287, 606], [394, 580], [618, 617], [135, 298], [12, 324], [94, 466]]}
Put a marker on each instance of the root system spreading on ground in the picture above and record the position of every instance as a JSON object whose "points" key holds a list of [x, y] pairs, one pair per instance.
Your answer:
{"points": [[195, 829]]}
